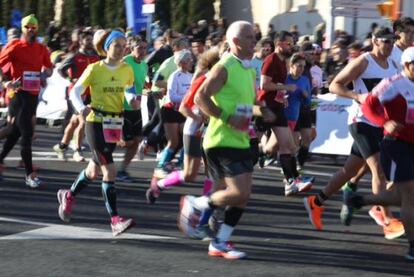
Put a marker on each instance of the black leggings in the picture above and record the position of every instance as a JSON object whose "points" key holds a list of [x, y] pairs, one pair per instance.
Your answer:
{"points": [[25, 106]]}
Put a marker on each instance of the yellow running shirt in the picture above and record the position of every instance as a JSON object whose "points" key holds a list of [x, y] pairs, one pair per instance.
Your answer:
{"points": [[107, 87]]}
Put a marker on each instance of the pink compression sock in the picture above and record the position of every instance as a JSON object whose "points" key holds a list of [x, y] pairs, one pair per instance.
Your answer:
{"points": [[208, 184], [175, 178]]}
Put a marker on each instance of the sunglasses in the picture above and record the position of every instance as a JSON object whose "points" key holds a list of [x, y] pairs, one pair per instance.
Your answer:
{"points": [[30, 27], [386, 40]]}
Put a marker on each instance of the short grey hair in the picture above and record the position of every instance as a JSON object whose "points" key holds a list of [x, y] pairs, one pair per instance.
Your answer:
{"points": [[234, 30], [183, 55]]}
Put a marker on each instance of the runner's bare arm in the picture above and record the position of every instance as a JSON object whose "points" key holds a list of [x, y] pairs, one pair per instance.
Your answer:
{"points": [[350, 73]]}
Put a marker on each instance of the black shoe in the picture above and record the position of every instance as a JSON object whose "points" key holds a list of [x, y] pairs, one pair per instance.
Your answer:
{"points": [[353, 200], [410, 255]]}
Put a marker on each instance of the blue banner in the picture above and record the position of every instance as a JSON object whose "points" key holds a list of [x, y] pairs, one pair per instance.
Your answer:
{"points": [[135, 19], [16, 18]]}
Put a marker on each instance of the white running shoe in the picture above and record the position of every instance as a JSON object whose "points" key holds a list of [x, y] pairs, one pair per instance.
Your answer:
{"points": [[119, 225], [78, 157], [33, 182], [59, 152], [225, 250]]}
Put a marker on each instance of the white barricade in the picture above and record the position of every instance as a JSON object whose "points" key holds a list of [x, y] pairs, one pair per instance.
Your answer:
{"points": [[331, 125]]}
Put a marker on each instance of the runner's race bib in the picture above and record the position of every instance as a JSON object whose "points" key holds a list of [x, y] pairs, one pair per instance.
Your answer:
{"points": [[281, 95], [247, 112], [31, 81], [112, 128]]}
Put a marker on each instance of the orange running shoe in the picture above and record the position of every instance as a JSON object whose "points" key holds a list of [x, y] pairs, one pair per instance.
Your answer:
{"points": [[394, 229], [314, 211], [376, 214]]}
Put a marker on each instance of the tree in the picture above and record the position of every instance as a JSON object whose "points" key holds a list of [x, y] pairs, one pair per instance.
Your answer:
{"points": [[200, 9], [30, 6], [179, 14], [162, 12], [6, 10], [95, 9], [73, 14], [45, 13]]}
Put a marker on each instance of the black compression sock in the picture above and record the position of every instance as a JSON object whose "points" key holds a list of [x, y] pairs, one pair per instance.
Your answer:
{"points": [[320, 198]]}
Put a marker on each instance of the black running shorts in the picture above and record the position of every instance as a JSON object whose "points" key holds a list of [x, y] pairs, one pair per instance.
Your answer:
{"points": [[101, 150], [132, 127], [228, 162], [169, 115], [397, 159], [367, 139]]}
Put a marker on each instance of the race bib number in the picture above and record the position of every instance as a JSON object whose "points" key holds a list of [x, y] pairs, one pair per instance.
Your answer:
{"points": [[112, 128], [31, 81], [281, 96], [247, 112]]}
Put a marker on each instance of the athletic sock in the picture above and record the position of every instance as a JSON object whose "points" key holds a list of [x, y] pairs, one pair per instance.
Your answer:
{"points": [[81, 182], [175, 178], [109, 194], [232, 216], [302, 155], [63, 145], [320, 198], [166, 156], [352, 186], [286, 163], [293, 167], [207, 186]]}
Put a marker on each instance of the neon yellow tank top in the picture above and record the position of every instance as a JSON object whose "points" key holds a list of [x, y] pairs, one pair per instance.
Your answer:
{"points": [[238, 91]]}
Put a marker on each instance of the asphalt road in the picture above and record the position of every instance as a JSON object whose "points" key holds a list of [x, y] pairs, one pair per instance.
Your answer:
{"points": [[274, 231]]}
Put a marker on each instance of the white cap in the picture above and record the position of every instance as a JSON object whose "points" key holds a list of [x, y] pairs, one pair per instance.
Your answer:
{"points": [[408, 55]]}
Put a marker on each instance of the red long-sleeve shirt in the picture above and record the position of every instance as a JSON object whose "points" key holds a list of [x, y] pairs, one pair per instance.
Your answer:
{"points": [[24, 56], [393, 99]]}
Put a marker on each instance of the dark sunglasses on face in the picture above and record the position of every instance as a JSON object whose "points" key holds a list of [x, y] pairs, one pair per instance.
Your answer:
{"points": [[30, 27], [386, 40]]}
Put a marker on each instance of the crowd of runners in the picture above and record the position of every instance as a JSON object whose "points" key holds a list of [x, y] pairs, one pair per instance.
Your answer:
{"points": [[226, 102]]}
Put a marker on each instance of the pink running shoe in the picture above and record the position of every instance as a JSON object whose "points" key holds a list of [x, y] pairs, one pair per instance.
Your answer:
{"points": [[119, 225], [376, 214], [66, 201]]}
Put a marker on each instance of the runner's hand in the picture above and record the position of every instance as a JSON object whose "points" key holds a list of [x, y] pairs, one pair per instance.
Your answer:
{"points": [[393, 127], [268, 115], [135, 103], [238, 122], [85, 111], [361, 98], [291, 87]]}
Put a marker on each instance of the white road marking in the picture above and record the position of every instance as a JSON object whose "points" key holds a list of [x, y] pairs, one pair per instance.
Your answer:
{"points": [[59, 231]]}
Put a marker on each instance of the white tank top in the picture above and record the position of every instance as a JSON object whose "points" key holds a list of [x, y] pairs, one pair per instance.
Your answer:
{"points": [[372, 75]]}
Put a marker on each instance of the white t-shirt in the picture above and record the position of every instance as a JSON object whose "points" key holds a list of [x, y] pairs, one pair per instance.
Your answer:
{"points": [[178, 84]]}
